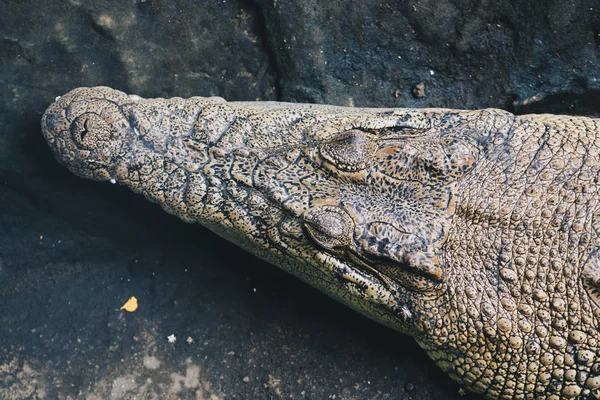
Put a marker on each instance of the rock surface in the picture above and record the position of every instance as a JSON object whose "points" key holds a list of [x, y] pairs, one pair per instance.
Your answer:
{"points": [[72, 252]]}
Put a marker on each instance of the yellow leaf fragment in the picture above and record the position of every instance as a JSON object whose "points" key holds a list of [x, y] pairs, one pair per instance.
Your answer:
{"points": [[131, 305]]}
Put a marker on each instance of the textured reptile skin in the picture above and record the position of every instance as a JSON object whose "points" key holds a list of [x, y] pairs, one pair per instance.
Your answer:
{"points": [[475, 232]]}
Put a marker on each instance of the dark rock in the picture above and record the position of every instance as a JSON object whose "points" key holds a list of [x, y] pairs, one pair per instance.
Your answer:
{"points": [[483, 56], [72, 252]]}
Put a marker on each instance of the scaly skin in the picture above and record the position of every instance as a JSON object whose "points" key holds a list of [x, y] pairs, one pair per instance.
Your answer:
{"points": [[476, 232]]}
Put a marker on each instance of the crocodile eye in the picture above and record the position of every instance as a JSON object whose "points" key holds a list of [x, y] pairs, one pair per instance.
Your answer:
{"points": [[89, 130], [349, 151], [331, 227]]}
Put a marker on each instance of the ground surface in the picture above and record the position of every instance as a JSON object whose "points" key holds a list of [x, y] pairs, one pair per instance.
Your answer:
{"points": [[72, 252]]}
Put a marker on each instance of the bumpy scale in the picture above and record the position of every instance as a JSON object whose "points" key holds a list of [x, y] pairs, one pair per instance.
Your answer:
{"points": [[476, 232]]}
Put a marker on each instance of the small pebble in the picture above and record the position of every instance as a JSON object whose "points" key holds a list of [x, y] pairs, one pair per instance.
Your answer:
{"points": [[419, 90]]}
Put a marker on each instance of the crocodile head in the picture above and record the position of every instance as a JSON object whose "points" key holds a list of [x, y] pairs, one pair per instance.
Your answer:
{"points": [[357, 202], [432, 221]]}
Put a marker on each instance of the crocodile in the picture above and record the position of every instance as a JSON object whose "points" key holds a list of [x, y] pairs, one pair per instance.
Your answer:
{"points": [[477, 232]]}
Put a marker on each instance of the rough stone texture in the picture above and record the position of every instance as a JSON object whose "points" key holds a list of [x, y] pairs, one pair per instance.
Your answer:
{"points": [[512, 55], [469, 54]]}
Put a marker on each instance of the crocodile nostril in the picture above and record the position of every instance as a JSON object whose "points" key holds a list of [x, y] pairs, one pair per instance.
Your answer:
{"points": [[89, 130], [84, 131]]}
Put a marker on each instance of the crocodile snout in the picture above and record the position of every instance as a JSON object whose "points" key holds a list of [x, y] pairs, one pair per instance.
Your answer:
{"points": [[83, 128]]}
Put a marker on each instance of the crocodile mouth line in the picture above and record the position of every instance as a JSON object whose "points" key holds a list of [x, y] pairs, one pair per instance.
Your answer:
{"points": [[364, 265], [371, 264]]}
